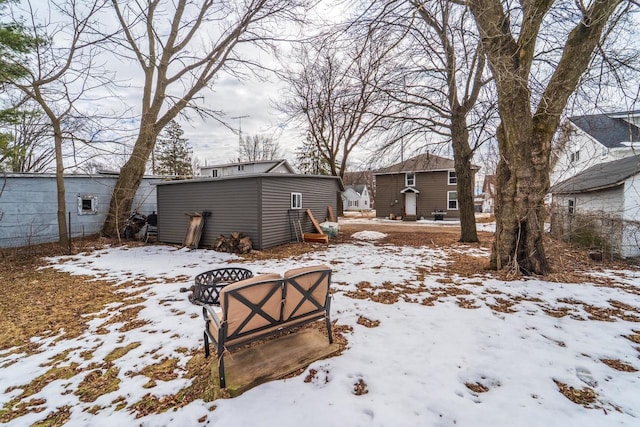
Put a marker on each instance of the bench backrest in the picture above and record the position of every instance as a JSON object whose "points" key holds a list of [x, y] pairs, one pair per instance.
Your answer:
{"points": [[251, 305], [306, 292]]}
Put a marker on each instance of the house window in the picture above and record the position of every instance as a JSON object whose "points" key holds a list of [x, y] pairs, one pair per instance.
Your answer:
{"points": [[296, 200], [87, 204], [214, 173], [240, 167], [575, 156], [453, 179], [410, 179], [572, 206], [452, 200]]}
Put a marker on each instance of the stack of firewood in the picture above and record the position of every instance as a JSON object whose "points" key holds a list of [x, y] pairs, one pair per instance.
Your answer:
{"points": [[236, 243]]}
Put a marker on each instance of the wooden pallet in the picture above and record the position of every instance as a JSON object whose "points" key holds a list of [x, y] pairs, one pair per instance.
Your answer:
{"points": [[315, 237]]}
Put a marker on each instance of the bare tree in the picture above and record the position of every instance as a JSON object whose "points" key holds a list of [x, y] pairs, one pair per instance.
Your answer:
{"points": [[180, 47], [336, 93], [59, 73], [441, 79], [510, 34], [31, 148], [259, 147]]}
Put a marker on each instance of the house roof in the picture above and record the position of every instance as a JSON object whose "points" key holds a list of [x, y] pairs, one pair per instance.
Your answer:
{"points": [[359, 188], [422, 163], [600, 176], [610, 130], [275, 163]]}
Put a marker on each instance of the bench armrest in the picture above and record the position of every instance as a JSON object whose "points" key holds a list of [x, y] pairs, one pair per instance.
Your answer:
{"points": [[208, 313]]}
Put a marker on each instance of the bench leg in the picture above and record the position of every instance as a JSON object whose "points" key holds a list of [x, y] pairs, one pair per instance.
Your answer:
{"points": [[328, 322], [223, 382], [206, 345]]}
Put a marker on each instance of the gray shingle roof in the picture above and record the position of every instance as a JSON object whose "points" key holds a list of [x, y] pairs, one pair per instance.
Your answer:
{"points": [[421, 163], [608, 131], [600, 176]]}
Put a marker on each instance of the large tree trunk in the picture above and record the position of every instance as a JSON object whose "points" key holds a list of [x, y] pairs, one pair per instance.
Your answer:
{"points": [[462, 155], [128, 182], [522, 182]]}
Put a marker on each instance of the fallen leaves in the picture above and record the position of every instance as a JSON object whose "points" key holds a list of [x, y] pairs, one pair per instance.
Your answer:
{"points": [[360, 388], [618, 365], [367, 323], [585, 396]]}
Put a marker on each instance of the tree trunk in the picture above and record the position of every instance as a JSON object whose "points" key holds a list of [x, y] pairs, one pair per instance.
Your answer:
{"points": [[128, 182], [63, 232], [462, 155], [521, 184]]}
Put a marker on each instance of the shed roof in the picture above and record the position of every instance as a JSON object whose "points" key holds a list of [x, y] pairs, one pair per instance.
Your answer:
{"points": [[255, 175], [610, 130], [600, 176], [422, 163]]}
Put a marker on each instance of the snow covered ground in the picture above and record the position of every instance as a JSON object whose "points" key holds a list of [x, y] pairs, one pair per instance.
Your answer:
{"points": [[484, 353]]}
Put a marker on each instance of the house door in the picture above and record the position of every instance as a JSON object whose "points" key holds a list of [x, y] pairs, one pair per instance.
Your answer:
{"points": [[409, 203]]}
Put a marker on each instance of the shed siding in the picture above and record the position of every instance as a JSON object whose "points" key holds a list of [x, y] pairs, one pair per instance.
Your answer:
{"points": [[317, 195], [233, 205], [433, 187], [28, 206]]}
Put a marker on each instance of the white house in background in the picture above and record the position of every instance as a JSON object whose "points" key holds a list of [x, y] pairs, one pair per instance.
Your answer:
{"points": [[488, 193], [356, 198], [588, 140], [244, 168], [607, 197]]}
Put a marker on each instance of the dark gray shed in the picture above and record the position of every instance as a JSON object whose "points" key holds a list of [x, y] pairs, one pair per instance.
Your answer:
{"points": [[261, 206]]}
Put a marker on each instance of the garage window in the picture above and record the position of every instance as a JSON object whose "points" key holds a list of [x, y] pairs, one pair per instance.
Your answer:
{"points": [[296, 200], [87, 204]]}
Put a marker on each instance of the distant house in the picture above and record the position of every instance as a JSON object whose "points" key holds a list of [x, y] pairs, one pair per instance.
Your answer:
{"points": [[489, 194], [588, 140], [267, 207], [28, 205], [601, 204], [246, 168], [417, 187], [356, 198]]}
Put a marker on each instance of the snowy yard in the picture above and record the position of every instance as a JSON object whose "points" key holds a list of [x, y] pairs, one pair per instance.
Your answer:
{"points": [[427, 347]]}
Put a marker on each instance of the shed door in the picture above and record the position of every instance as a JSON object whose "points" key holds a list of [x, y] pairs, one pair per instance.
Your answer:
{"points": [[410, 203]]}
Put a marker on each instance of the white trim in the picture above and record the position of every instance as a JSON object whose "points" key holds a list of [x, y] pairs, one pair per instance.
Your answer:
{"points": [[93, 199], [296, 200], [455, 177], [410, 190], [406, 179]]}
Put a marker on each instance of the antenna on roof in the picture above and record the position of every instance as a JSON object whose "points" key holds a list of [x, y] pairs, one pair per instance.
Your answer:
{"points": [[239, 134]]}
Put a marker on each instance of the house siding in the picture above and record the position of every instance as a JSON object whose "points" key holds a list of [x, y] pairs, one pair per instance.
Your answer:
{"points": [[600, 211], [233, 205], [433, 187], [28, 206]]}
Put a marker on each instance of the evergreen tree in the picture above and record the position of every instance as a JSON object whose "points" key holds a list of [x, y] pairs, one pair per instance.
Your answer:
{"points": [[13, 44], [309, 160], [173, 152]]}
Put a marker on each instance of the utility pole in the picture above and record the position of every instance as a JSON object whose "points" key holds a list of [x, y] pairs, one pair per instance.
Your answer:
{"points": [[239, 134]]}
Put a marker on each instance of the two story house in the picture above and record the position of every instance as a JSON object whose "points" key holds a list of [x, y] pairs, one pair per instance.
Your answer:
{"points": [[423, 186]]}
